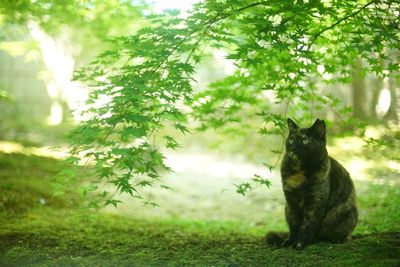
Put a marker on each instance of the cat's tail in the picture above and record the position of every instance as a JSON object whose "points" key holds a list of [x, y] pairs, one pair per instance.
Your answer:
{"points": [[276, 239]]}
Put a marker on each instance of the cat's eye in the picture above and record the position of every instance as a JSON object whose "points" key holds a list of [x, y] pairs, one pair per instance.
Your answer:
{"points": [[291, 141], [305, 141]]}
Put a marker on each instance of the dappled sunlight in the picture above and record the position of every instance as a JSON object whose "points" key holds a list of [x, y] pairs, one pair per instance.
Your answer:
{"points": [[203, 188], [203, 185], [45, 151], [56, 114], [57, 56], [358, 169], [349, 144], [393, 165], [348, 151], [182, 5], [11, 147], [383, 102], [363, 164]]}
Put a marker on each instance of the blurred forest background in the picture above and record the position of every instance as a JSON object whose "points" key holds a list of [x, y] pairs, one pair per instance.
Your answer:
{"points": [[225, 156]]}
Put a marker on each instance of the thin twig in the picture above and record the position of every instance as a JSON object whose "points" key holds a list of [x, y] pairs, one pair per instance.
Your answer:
{"points": [[318, 34], [283, 135]]}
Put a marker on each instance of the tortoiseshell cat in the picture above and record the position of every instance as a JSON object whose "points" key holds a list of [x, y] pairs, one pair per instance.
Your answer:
{"points": [[320, 196]]}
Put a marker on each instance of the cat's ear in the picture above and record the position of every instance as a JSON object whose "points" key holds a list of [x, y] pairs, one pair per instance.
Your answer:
{"points": [[319, 128], [292, 125]]}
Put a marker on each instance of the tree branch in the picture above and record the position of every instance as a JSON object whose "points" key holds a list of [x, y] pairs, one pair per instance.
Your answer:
{"points": [[317, 35], [241, 9], [209, 22]]}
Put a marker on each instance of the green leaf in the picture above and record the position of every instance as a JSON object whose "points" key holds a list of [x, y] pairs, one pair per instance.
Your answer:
{"points": [[134, 132], [182, 128], [171, 142], [262, 181], [151, 204], [243, 188], [113, 202], [144, 183]]}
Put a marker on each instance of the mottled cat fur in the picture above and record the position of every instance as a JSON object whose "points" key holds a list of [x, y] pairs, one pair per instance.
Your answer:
{"points": [[320, 196]]}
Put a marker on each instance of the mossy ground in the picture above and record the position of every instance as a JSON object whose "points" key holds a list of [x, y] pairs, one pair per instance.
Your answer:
{"points": [[60, 232]]}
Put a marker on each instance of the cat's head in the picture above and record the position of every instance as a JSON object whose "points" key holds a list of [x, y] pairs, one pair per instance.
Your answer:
{"points": [[306, 142]]}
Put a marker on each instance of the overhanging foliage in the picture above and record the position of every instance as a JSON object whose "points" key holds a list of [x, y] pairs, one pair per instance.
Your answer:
{"points": [[281, 49]]}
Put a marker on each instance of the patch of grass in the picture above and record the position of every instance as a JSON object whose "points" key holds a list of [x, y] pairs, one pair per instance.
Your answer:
{"points": [[59, 233], [379, 208], [67, 239], [119, 241], [26, 182]]}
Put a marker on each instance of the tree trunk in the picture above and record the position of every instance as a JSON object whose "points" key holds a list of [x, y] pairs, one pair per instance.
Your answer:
{"points": [[376, 90], [358, 91], [391, 114], [59, 63]]}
